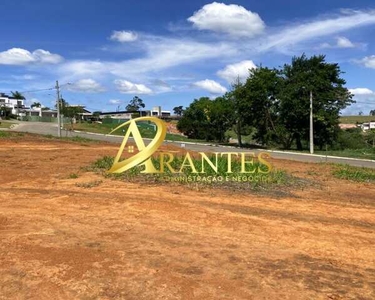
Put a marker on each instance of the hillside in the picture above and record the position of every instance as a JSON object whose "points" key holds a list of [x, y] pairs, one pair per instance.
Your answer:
{"points": [[356, 119]]}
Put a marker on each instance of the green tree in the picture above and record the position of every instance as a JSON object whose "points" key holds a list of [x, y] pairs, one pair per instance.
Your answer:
{"points": [[207, 119], [17, 95], [279, 101], [178, 110], [195, 123], [370, 137], [135, 104], [240, 108], [36, 104], [221, 117], [262, 104], [372, 112], [69, 111], [314, 74]]}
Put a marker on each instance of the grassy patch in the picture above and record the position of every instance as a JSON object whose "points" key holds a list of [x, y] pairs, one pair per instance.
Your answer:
{"points": [[4, 134], [274, 181], [79, 139], [4, 124], [354, 173], [10, 135], [356, 119], [146, 131], [76, 139], [366, 153], [73, 176]]}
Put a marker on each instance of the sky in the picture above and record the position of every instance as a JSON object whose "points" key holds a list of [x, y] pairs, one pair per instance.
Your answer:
{"points": [[103, 53]]}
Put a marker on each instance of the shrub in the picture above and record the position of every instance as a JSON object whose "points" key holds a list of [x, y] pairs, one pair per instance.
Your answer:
{"points": [[350, 139], [354, 173]]}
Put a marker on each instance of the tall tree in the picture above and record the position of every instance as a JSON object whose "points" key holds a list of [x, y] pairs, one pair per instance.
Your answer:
{"points": [[279, 101], [240, 108], [207, 119], [262, 90], [17, 95], [135, 104], [36, 104], [178, 110], [314, 74], [195, 123]]}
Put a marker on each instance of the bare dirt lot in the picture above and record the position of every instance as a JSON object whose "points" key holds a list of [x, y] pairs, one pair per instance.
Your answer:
{"points": [[70, 234]]}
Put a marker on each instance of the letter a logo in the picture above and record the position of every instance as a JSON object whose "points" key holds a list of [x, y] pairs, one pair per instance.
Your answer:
{"points": [[145, 152]]}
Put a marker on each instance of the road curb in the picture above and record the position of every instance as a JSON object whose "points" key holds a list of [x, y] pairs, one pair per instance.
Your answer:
{"points": [[234, 147]]}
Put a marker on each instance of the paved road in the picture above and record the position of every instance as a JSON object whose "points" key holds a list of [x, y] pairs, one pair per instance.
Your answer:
{"points": [[51, 128]]}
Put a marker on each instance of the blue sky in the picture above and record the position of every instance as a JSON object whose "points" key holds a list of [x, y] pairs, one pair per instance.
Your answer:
{"points": [[170, 52]]}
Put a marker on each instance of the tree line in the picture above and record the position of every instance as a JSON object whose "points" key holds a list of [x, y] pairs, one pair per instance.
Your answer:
{"points": [[274, 106]]}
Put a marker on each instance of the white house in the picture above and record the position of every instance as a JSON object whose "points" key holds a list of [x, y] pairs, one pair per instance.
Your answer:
{"points": [[158, 112], [368, 126], [13, 104]]}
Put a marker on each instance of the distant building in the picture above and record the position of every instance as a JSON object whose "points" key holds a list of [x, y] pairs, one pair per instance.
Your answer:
{"points": [[124, 115], [37, 112], [368, 126], [84, 115], [11, 103], [156, 111]]}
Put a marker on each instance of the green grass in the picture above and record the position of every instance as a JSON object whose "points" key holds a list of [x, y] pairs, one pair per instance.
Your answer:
{"points": [[354, 173], [356, 119], [76, 139], [10, 134], [146, 131], [367, 153], [79, 139], [4, 134], [276, 178], [246, 139], [5, 124]]}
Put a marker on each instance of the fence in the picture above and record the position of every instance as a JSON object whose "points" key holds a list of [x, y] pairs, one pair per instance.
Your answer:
{"points": [[142, 124]]}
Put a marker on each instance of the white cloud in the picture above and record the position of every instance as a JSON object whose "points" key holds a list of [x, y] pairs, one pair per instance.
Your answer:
{"points": [[368, 61], [161, 53], [238, 70], [123, 36], [361, 91], [343, 42], [46, 57], [365, 98], [24, 77], [127, 87], [297, 33], [19, 56], [115, 101], [211, 86], [86, 86], [232, 19]]}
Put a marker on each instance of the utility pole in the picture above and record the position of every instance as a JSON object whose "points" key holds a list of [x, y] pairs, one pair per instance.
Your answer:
{"points": [[311, 124], [58, 109]]}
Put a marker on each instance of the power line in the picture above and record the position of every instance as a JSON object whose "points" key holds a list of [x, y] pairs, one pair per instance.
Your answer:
{"points": [[34, 91]]}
